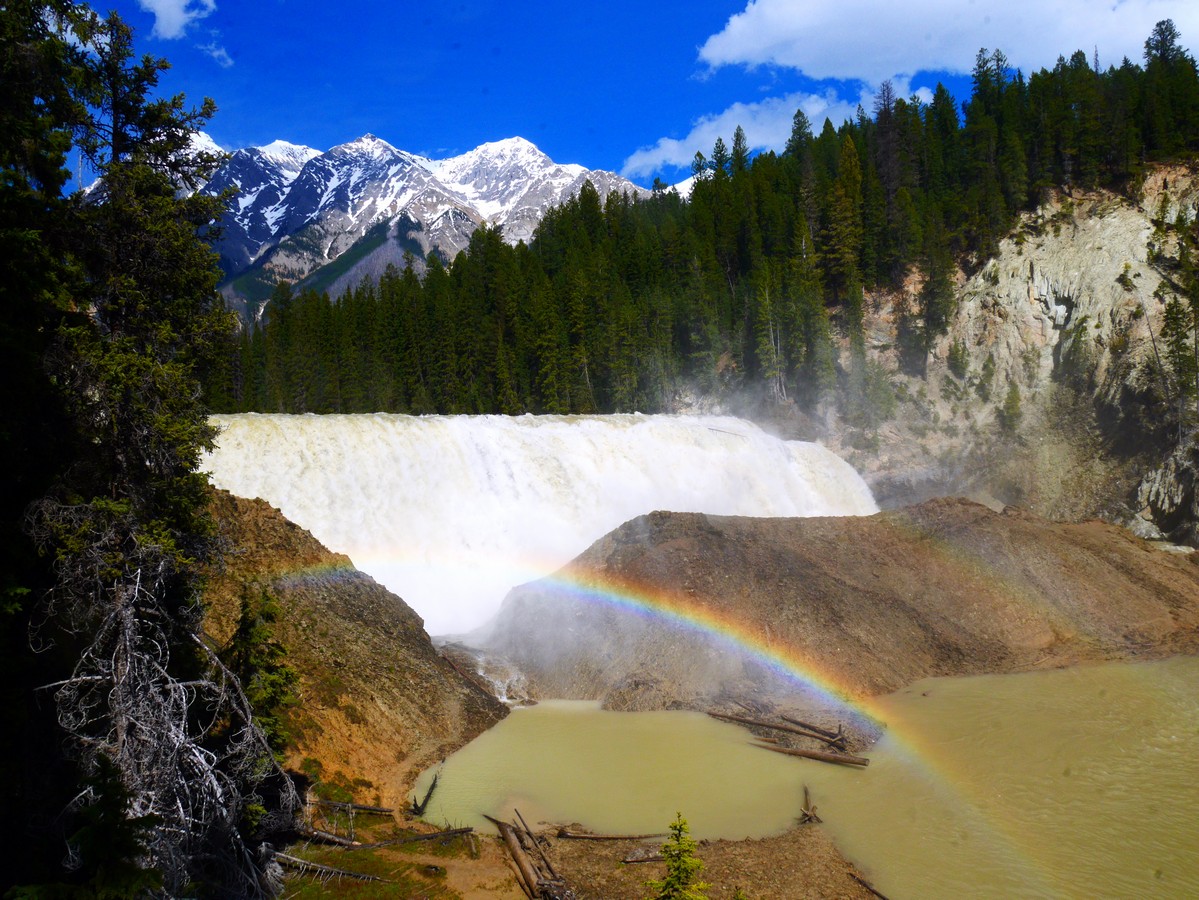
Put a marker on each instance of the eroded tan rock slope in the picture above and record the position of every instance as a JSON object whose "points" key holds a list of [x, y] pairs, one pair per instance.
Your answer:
{"points": [[378, 703], [946, 587]]}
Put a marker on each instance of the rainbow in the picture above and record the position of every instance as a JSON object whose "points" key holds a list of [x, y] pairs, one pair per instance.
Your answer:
{"points": [[723, 629], [812, 679]]}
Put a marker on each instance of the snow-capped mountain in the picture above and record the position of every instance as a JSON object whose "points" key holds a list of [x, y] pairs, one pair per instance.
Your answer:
{"points": [[365, 204], [511, 183], [262, 176]]}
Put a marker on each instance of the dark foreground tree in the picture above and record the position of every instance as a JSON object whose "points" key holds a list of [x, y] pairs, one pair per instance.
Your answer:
{"points": [[143, 756]]}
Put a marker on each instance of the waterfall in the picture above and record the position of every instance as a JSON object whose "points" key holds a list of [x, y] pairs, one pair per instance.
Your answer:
{"points": [[450, 512]]}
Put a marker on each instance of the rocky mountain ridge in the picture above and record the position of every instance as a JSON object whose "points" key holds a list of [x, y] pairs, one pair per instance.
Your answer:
{"points": [[344, 214]]}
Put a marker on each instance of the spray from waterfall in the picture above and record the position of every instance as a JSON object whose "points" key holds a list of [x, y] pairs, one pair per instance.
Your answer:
{"points": [[450, 512]]}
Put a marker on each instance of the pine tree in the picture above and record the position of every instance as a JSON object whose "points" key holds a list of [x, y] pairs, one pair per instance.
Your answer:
{"points": [[259, 662], [682, 866], [1009, 413]]}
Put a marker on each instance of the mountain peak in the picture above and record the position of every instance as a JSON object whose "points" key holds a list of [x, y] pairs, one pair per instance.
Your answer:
{"points": [[368, 144], [288, 156], [514, 144], [202, 142]]}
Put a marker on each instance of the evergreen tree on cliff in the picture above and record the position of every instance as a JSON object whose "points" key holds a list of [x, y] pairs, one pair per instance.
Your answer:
{"points": [[131, 754]]}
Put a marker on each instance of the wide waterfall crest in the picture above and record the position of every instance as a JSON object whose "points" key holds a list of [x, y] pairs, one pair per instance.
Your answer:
{"points": [[450, 512]]}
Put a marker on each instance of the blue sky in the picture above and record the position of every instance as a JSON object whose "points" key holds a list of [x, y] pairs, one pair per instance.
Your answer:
{"points": [[634, 87]]}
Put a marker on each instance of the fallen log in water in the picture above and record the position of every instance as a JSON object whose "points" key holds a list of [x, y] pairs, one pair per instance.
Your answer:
{"points": [[586, 836], [808, 810], [832, 735], [838, 742], [844, 759], [867, 885], [418, 809]]}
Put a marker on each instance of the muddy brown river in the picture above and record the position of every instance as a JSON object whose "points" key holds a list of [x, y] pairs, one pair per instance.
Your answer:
{"points": [[1081, 782]]}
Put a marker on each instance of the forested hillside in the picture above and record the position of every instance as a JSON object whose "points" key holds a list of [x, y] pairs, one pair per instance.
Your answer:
{"points": [[758, 278]]}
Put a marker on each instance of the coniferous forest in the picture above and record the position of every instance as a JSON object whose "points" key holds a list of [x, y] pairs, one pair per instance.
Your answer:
{"points": [[614, 305]]}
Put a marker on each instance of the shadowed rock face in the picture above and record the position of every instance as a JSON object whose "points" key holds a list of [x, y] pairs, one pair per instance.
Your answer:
{"points": [[377, 701], [943, 588]]}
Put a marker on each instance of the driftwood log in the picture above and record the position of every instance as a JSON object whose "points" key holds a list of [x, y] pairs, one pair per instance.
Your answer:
{"points": [[418, 809], [652, 856], [844, 759], [539, 882], [586, 836], [326, 837], [549, 866], [414, 838], [305, 867], [832, 735], [867, 885], [528, 877], [835, 741], [808, 811], [333, 804]]}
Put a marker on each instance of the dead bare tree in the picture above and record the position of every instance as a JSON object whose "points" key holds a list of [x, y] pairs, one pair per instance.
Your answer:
{"points": [[185, 747]]}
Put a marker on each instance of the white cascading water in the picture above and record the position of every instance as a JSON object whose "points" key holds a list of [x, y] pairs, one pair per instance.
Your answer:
{"points": [[450, 512]]}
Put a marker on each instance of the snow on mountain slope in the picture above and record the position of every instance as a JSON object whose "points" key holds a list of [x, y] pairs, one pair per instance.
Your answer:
{"points": [[289, 158], [202, 142], [299, 210], [341, 195], [512, 183], [261, 177], [496, 176]]}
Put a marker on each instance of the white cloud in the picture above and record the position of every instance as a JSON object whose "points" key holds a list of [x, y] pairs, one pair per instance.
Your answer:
{"points": [[217, 52], [171, 17], [767, 126], [871, 41]]}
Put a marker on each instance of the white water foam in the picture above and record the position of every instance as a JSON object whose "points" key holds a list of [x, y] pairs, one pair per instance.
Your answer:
{"points": [[450, 512]]}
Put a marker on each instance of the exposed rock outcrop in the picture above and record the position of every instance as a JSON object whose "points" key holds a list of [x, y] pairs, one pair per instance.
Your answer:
{"points": [[944, 588], [1170, 496], [1069, 312], [378, 703]]}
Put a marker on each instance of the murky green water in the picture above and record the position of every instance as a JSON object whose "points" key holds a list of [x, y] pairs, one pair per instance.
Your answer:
{"points": [[1075, 783], [568, 761], [1082, 782]]}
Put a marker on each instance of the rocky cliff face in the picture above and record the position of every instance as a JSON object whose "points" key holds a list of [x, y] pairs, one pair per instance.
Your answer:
{"points": [[947, 587], [378, 703], [1069, 311]]}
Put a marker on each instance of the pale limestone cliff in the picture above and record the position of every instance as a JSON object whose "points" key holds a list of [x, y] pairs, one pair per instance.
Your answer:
{"points": [[1069, 311]]}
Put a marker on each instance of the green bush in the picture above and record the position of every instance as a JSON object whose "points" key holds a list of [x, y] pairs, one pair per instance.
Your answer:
{"points": [[959, 359]]}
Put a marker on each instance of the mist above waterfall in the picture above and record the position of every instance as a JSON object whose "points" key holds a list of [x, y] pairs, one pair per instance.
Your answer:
{"points": [[450, 512]]}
